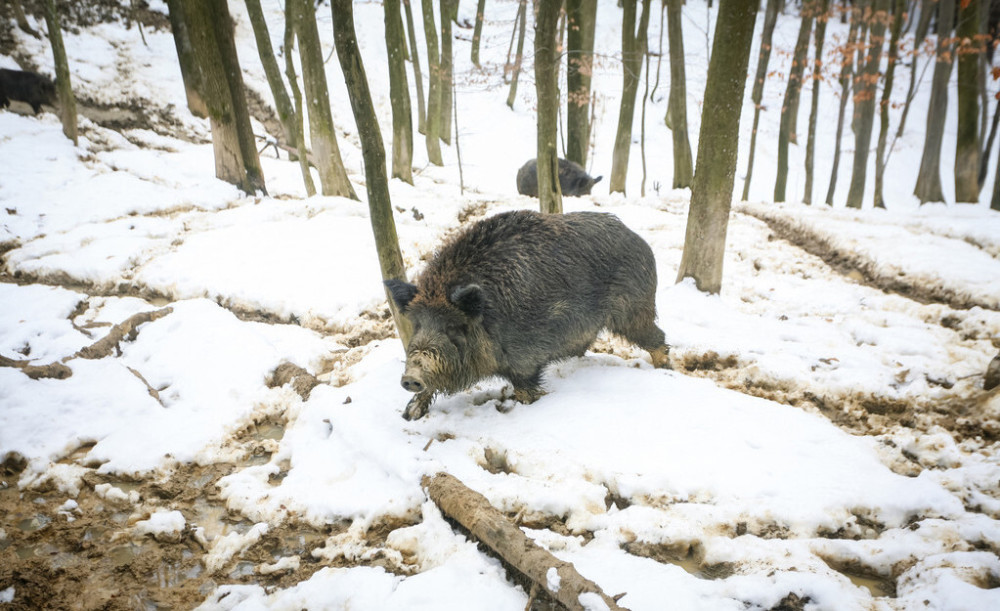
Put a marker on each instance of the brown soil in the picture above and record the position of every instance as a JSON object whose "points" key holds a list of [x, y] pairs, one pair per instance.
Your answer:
{"points": [[87, 558]]}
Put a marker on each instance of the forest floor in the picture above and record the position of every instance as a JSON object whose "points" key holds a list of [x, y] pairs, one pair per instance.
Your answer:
{"points": [[167, 475]]}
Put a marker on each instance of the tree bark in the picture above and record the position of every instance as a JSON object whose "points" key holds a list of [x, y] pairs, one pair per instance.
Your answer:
{"points": [[846, 70], [581, 18], [417, 76], [928, 188], [522, 17], [399, 93], [282, 103], [332, 174], [864, 104], [633, 48], [899, 8], [923, 25], [373, 152], [790, 104], [822, 17], [546, 66], [718, 143], [677, 103], [22, 21], [477, 31], [484, 522], [190, 71], [433, 123], [763, 58], [293, 83], [447, 9], [209, 31], [64, 87], [970, 52]]}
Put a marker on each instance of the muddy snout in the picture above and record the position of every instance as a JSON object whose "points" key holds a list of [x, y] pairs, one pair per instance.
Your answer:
{"points": [[413, 378], [412, 383]]}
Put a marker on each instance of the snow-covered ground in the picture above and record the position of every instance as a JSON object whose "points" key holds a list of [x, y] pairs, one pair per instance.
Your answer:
{"points": [[821, 442]]}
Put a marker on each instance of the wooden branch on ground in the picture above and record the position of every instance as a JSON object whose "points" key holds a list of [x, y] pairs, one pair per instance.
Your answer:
{"points": [[127, 329], [560, 579]]}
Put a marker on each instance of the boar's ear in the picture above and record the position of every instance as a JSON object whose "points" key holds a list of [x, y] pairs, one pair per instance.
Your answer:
{"points": [[598, 179], [402, 292], [469, 299]]}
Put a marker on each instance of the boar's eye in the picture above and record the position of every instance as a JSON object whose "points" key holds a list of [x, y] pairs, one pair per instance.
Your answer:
{"points": [[457, 334]]}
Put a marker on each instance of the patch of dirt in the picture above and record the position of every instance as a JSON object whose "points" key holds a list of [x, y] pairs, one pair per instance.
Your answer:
{"points": [[85, 554], [858, 267]]}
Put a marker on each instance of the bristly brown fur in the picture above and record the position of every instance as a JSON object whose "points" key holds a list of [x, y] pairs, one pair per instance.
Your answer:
{"points": [[519, 290]]}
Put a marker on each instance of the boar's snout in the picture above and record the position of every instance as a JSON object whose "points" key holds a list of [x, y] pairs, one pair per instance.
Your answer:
{"points": [[412, 383]]}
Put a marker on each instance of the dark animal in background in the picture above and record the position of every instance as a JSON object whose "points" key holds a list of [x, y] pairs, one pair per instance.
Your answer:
{"points": [[29, 87], [573, 179], [519, 290]]}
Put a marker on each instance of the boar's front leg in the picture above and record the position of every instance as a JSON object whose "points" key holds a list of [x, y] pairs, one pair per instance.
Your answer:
{"points": [[417, 407]]}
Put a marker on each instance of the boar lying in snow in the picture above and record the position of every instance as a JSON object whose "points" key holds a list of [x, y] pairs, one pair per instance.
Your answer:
{"points": [[519, 290], [573, 179]]}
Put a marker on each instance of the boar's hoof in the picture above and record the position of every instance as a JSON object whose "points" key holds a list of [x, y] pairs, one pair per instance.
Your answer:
{"points": [[661, 357], [417, 407], [527, 395]]}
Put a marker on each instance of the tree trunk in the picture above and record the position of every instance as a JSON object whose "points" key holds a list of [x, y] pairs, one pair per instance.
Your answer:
{"points": [[899, 8], [399, 93], [995, 201], [22, 21], [970, 52], [822, 17], [448, 8], [718, 144], [923, 25], [546, 66], [522, 17], [864, 104], [475, 514], [209, 30], [581, 18], [379, 204], [763, 58], [417, 76], [293, 83], [790, 104], [846, 70], [64, 87], [190, 71], [282, 103], [677, 103], [633, 48], [326, 152], [928, 188], [477, 32], [434, 89], [984, 159]]}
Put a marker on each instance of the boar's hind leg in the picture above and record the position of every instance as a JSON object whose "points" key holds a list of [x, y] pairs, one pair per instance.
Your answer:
{"points": [[527, 389], [643, 332]]}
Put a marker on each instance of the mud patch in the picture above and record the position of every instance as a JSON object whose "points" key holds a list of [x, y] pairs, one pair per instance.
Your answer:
{"points": [[859, 268], [86, 553], [688, 555]]}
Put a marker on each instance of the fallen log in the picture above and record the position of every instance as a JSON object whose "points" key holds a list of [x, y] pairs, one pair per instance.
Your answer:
{"points": [[484, 522]]}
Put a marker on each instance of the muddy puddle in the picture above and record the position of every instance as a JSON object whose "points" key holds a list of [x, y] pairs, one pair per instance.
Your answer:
{"points": [[58, 552]]}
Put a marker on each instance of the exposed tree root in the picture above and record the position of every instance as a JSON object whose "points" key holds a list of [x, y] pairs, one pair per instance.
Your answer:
{"points": [[474, 513], [127, 329]]}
